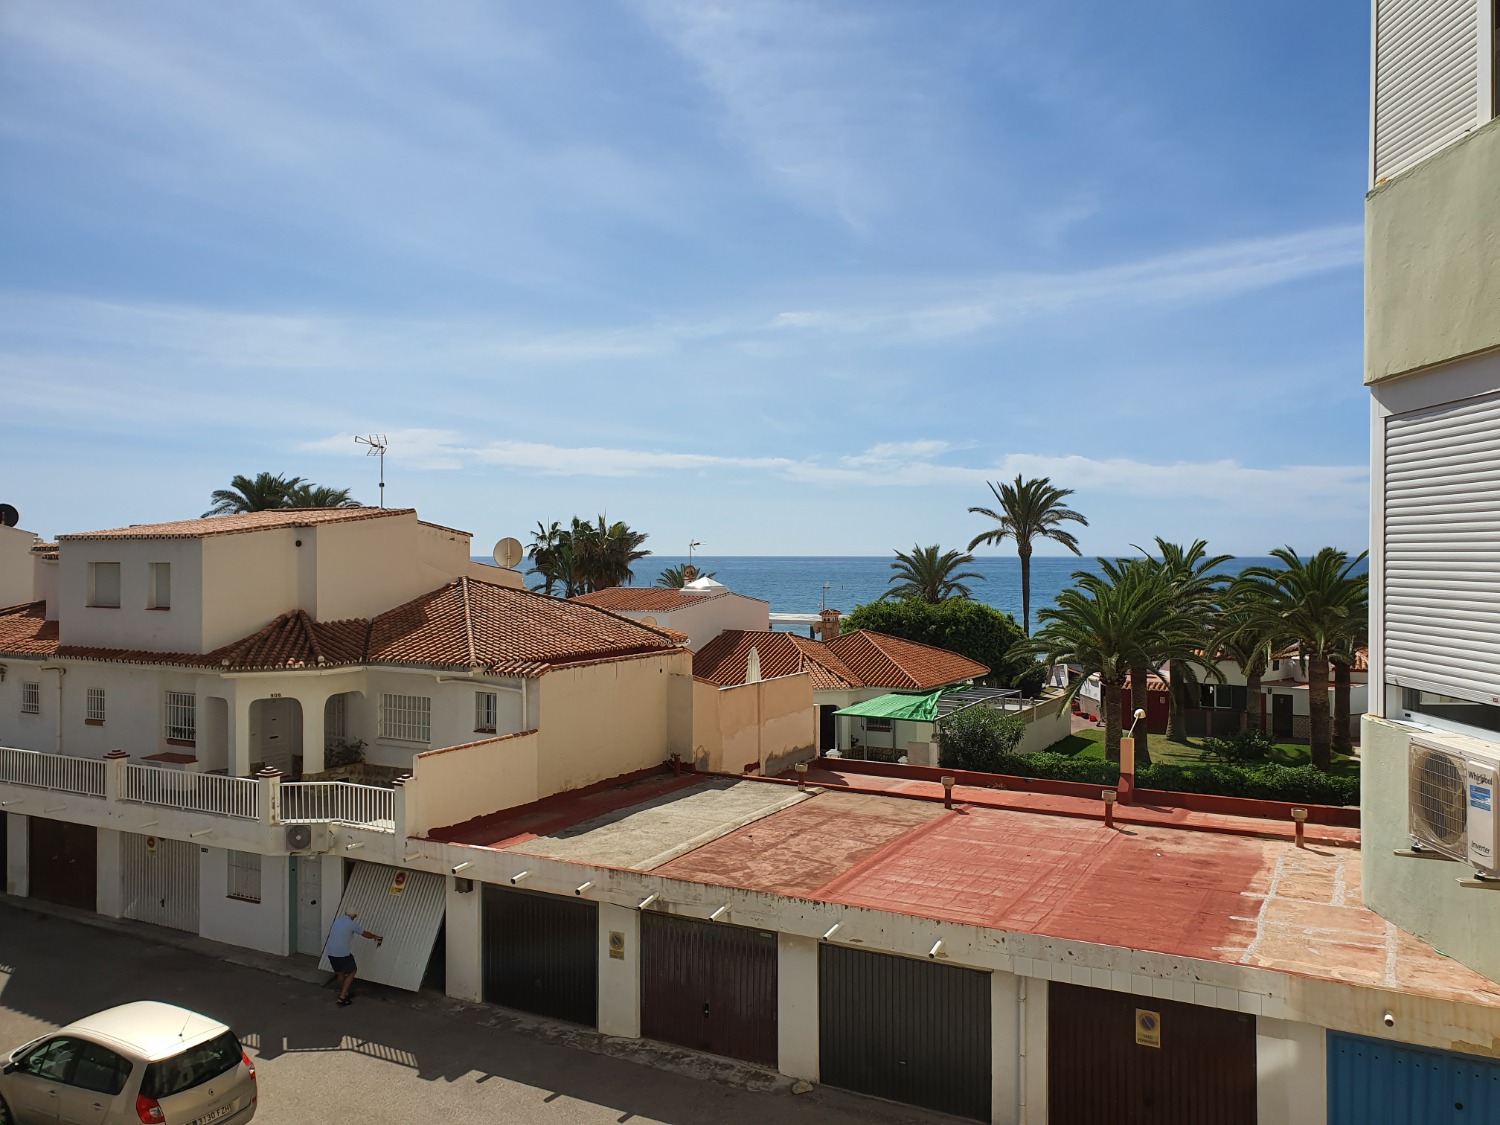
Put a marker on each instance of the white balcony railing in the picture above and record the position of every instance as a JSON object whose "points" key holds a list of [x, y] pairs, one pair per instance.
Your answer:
{"points": [[61, 773], [195, 792], [319, 802]]}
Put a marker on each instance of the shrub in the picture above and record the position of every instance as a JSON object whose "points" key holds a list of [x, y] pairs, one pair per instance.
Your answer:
{"points": [[342, 754], [1249, 745], [977, 738]]}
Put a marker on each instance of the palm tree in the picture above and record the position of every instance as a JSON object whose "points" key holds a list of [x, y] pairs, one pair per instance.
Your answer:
{"points": [[244, 494], [675, 577], [1341, 660], [1028, 510], [320, 496], [1250, 637], [545, 543], [1109, 624], [925, 575], [1319, 601], [584, 556], [1190, 572]]}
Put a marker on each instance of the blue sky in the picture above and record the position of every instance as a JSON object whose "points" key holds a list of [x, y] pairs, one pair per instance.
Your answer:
{"points": [[788, 278]]}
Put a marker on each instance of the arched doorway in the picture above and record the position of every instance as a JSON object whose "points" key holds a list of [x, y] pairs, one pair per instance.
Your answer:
{"points": [[276, 735]]}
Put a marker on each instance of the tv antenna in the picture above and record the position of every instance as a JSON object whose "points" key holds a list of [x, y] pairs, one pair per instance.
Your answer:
{"points": [[694, 543], [823, 598], [377, 443]]}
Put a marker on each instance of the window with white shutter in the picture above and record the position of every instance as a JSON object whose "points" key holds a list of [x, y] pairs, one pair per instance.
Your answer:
{"points": [[1428, 81], [104, 585]]}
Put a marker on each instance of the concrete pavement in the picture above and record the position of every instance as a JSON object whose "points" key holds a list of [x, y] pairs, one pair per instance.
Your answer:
{"points": [[389, 1057]]}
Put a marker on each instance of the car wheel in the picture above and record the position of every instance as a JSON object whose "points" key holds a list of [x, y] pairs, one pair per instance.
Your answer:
{"points": [[5, 1117]]}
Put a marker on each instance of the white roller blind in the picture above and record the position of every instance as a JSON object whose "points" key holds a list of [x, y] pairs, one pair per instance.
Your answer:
{"points": [[1442, 549], [1427, 56]]}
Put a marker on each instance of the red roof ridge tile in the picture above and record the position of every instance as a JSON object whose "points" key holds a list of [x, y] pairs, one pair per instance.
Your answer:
{"points": [[238, 523]]}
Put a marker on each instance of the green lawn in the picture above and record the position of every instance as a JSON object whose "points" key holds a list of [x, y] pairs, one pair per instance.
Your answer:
{"points": [[1090, 744]]}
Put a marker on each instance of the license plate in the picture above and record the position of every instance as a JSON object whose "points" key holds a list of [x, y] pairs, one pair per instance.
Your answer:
{"points": [[216, 1115]]}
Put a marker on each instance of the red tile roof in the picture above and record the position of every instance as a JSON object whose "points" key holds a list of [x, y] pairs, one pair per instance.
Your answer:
{"points": [[240, 522], [884, 661], [863, 658], [25, 630], [643, 599]]}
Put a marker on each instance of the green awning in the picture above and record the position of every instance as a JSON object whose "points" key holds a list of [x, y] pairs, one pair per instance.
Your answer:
{"points": [[919, 708]]}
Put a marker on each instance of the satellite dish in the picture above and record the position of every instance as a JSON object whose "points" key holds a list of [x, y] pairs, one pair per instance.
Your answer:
{"points": [[9, 516], [648, 620], [507, 552]]}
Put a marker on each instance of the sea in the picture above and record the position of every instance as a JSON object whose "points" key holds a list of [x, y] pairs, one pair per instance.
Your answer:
{"points": [[808, 583]]}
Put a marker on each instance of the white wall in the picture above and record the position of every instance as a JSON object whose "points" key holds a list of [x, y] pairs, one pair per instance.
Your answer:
{"points": [[17, 567], [264, 925], [133, 625]]}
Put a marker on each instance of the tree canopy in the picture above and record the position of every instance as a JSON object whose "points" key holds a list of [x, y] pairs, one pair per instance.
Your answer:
{"points": [[930, 574], [1028, 510], [584, 557], [960, 625], [266, 491]]}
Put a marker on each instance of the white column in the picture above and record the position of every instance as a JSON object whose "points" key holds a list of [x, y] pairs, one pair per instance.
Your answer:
{"points": [[1291, 1073], [1031, 1074], [465, 941], [797, 1006], [312, 734], [108, 897], [1006, 1038], [239, 736], [17, 855], [619, 976]]}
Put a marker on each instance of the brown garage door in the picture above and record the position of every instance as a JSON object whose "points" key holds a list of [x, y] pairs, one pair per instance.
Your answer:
{"points": [[1100, 1066], [62, 862], [709, 986]]}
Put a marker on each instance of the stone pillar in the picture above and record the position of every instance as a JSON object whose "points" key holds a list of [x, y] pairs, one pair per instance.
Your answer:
{"points": [[406, 808], [1006, 1037], [108, 898], [312, 734], [619, 971], [270, 795], [1291, 1073], [797, 1006], [114, 775], [239, 737], [18, 854], [465, 940]]}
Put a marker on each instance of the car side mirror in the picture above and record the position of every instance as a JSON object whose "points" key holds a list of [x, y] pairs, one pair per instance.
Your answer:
{"points": [[10, 1067]]}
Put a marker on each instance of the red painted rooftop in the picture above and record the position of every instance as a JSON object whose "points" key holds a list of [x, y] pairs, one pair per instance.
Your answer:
{"points": [[1213, 887]]}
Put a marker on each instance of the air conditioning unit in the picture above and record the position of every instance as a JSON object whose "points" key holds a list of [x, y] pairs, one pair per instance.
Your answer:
{"points": [[1437, 799], [1484, 845], [306, 839]]}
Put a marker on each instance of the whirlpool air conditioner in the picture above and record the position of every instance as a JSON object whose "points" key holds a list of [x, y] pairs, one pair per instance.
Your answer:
{"points": [[306, 839], [1437, 799], [1484, 845]]}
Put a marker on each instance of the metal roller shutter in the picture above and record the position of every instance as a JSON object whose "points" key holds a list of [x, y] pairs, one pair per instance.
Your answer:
{"points": [[1427, 57], [541, 954], [1372, 1082], [910, 1031], [1442, 549], [159, 879], [406, 908]]}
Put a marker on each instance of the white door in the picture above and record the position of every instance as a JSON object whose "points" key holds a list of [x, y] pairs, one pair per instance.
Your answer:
{"points": [[159, 881], [406, 908], [309, 913]]}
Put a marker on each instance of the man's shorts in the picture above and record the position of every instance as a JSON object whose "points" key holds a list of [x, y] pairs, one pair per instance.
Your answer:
{"points": [[343, 964]]}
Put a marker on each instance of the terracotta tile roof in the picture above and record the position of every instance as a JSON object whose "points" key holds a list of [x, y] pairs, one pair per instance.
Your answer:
{"points": [[643, 599], [241, 522], [25, 630], [1153, 683], [46, 550], [880, 660], [444, 527], [723, 660]]}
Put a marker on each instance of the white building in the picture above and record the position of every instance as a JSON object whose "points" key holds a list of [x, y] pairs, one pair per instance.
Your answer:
{"points": [[702, 609]]}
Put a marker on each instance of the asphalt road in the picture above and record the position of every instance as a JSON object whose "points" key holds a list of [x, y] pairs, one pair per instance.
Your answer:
{"points": [[387, 1057]]}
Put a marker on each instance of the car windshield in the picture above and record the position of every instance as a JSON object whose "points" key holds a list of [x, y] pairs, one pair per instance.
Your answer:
{"points": [[194, 1066]]}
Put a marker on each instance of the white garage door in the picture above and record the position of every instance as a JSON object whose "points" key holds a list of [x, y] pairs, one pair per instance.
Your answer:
{"points": [[159, 881], [406, 908]]}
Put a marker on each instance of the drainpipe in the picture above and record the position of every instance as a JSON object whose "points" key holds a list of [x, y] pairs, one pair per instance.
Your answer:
{"points": [[1021, 1041], [61, 672]]}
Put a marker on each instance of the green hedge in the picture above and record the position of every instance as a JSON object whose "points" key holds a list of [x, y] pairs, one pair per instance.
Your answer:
{"points": [[1268, 782]]}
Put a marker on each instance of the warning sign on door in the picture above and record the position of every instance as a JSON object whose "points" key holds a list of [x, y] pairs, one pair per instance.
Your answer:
{"points": [[398, 882], [150, 845], [1147, 1028]]}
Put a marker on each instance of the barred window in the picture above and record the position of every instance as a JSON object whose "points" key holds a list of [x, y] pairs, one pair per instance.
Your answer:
{"points": [[406, 717], [244, 876], [484, 712], [31, 699], [182, 716], [336, 718], [94, 705]]}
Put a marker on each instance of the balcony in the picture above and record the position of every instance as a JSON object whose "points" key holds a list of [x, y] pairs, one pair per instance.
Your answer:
{"points": [[265, 799]]}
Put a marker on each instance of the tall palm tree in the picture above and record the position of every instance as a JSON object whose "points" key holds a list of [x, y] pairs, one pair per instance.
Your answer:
{"points": [[1028, 510], [929, 576], [320, 496], [543, 550], [1109, 624], [675, 577], [1190, 572], [1317, 600], [257, 494], [1355, 637], [584, 556], [1246, 634]]}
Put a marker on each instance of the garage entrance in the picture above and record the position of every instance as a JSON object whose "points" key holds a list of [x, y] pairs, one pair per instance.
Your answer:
{"points": [[1372, 1082], [407, 908], [909, 1031], [63, 862], [710, 987], [159, 881], [541, 954], [1136, 1060]]}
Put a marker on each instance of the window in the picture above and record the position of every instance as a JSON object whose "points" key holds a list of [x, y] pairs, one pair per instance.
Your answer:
{"points": [[182, 717], [31, 699], [1223, 697], [161, 586], [244, 876], [407, 718], [53, 1060], [93, 713], [193, 1067], [877, 724], [104, 585], [101, 1070], [1449, 709], [485, 708], [336, 719]]}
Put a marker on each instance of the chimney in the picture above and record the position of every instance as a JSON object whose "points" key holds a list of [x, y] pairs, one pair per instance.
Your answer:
{"points": [[689, 572], [828, 625]]}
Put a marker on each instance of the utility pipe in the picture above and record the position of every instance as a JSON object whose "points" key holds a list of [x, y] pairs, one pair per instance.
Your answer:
{"points": [[61, 672]]}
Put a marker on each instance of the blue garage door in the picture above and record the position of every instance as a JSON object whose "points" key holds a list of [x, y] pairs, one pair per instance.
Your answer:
{"points": [[1372, 1082]]}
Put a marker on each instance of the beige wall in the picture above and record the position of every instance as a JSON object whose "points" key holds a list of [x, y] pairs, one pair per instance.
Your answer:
{"points": [[1048, 722], [17, 567], [248, 581], [365, 567], [454, 785], [1432, 241], [771, 724], [601, 720]]}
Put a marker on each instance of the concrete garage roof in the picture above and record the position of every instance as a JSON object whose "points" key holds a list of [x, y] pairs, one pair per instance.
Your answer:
{"points": [[1211, 887]]}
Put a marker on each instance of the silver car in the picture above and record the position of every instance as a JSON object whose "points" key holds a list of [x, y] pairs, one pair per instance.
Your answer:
{"points": [[145, 1063]]}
